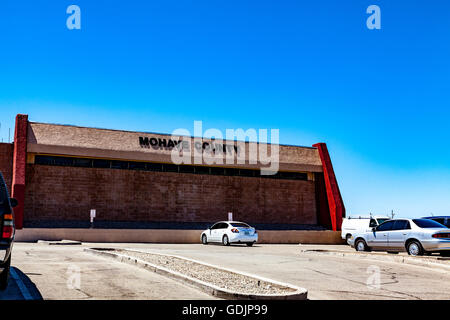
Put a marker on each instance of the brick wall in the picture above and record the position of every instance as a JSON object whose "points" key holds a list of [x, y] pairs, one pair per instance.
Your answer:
{"points": [[6, 159], [67, 193]]}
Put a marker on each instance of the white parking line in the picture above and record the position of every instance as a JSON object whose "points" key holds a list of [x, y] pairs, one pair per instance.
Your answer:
{"points": [[22, 287]]}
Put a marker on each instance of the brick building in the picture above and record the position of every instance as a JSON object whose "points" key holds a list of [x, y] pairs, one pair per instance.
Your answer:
{"points": [[58, 173]]}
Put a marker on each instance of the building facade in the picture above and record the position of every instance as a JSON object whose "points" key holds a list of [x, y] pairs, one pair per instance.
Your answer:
{"points": [[58, 173]]}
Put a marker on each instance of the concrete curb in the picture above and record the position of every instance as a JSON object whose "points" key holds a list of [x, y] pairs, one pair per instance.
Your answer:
{"points": [[59, 243], [298, 294], [380, 256]]}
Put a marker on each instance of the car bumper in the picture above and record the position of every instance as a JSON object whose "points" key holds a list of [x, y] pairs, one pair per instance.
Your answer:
{"points": [[351, 242], [436, 244], [243, 238], [5, 251]]}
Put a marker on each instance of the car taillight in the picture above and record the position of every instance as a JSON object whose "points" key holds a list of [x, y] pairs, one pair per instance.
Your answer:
{"points": [[234, 230], [8, 226], [441, 235]]}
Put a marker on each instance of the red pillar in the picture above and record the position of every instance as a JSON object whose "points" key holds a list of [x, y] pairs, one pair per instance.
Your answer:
{"points": [[335, 203], [19, 167]]}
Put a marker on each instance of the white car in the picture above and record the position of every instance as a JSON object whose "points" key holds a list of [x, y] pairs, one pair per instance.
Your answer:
{"points": [[415, 236], [227, 232], [351, 226]]}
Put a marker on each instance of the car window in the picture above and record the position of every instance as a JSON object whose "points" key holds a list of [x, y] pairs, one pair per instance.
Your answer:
{"points": [[240, 225], [373, 223], [4, 197], [447, 222], [439, 220], [385, 226], [401, 225], [215, 226], [427, 223], [223, 225], [380, 221]]}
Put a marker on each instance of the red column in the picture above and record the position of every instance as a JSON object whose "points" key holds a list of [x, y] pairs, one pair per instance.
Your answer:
{"points": [[335, 203], [19, 167]]}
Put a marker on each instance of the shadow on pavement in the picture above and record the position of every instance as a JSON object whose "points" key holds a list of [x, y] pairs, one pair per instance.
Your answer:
{"points": [[20, 287]]}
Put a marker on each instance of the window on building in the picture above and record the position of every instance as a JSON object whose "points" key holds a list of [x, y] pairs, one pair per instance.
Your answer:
{"points": [[119, 164], [62, 161], [85, 163], [154, 166], [98, 163], [187, 169], [162, 167], [202, 170], [170, 167], [217, 171]]}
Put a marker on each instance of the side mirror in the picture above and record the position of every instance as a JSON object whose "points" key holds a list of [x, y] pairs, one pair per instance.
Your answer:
{"points": [[374, 229], [13, 202]]}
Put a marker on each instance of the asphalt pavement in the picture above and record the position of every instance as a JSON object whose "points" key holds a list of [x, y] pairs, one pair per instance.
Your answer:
{"points": [[64, 272]]}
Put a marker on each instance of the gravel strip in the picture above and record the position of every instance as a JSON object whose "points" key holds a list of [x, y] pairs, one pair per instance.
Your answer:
{"points": [[220, 278]]}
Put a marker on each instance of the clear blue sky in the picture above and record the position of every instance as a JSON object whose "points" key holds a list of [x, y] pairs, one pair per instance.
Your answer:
{"points": [[380, 99]]}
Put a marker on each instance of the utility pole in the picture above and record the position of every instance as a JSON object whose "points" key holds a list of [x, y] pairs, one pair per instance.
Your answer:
{"points": [[392, 214]]}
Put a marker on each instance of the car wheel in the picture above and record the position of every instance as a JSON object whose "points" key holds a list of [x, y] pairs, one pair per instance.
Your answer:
{"points": [[249, 244], [347, 238], [415, 248], [5, 274], [225, 240], [204, 239], [361, 245]]}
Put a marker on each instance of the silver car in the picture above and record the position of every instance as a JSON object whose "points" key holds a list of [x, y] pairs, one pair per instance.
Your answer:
{"points": [[415, 236]]}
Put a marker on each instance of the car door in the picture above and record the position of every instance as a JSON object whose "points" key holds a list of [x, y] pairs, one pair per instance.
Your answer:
{"points": [[398, 234], [213, 232], [221, 230], [378, 239]]}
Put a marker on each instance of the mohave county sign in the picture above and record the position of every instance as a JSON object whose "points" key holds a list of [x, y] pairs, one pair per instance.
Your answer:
{"points": [[169, 144]]}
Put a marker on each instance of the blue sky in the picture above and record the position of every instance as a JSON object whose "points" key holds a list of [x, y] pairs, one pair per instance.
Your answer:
{"points": [[380, 99]]}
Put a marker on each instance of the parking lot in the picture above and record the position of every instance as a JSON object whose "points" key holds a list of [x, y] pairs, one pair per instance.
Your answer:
{"points": [[42, 271]]}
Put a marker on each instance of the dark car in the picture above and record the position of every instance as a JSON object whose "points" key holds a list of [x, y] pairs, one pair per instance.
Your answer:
{"points": [[7, 231], [445, 220]]}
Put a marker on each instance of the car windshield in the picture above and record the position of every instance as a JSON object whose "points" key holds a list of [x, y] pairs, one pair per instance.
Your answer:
{"points": [[380, 221], [240, 225], [426, 223]]}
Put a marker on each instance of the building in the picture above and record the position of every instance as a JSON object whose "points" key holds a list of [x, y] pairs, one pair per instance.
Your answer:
{"points": [[58, 173]]}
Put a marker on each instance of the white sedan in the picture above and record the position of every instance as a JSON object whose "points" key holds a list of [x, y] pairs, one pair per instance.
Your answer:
{"points": [[228, 232]]}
